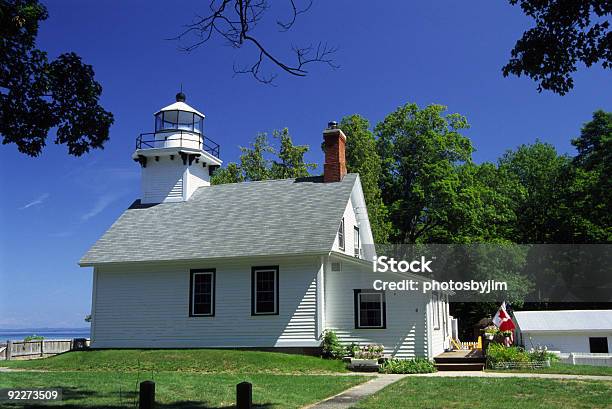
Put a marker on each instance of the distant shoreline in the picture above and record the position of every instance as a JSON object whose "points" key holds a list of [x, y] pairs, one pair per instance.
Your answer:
{"points": [[18, 334]]}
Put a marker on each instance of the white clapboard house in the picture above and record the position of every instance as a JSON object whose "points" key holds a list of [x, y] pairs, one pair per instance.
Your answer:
{"points": [[269, 264]]}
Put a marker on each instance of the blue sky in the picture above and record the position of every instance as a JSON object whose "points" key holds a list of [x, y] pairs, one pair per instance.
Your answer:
{"points": [[54, 207]]}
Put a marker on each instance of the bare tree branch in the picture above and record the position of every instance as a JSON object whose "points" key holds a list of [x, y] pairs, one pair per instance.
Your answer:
{"points": [[288, 25], [235, 20]]}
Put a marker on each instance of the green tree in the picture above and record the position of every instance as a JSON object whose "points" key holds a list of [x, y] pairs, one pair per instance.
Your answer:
{"points": [[263, 161], [37, 94], [590, 193], [290, 162], [421, 152], [566, 32], [490, 195], [362, 157], [542, 212]]}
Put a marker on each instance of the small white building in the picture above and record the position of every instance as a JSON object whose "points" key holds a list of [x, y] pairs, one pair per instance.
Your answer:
{"points": [[577, 331], [270, 264]]}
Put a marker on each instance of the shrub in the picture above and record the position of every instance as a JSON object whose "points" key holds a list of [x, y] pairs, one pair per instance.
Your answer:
{"points": [[352, 349], [414, 365], [331, 347], [539, 354], [372, 351], [34, 338], [497, 353]]}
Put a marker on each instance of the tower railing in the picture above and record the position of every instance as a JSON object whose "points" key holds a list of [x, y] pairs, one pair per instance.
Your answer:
{"points": [[170, 138]]}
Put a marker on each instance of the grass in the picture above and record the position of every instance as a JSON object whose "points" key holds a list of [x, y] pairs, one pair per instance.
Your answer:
{"points": [[184, 360], [481, 393], [184, 378], [177, 390], [560, 368]]}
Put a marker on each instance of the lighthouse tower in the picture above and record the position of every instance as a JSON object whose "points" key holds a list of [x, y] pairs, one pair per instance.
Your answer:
{"points": [[176, 158]]}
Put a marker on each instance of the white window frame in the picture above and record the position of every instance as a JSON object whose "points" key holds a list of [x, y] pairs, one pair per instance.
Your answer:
{"points": [[436, 310], [382, 309], [257, 270], [341, 236], [356, 242], [212, 293]]}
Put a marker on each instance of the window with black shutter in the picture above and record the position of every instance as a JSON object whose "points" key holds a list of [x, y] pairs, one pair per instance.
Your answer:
{"points": [[202, 293], [370, 309], [264, 290]]}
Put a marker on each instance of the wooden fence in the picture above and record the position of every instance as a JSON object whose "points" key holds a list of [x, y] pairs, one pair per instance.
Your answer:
{"points": [[39, 348]]}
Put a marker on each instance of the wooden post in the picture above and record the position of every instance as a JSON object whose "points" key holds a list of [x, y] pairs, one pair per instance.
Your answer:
{"points": [[9, 347], [42, 348], [147, 395], [244, 395]]}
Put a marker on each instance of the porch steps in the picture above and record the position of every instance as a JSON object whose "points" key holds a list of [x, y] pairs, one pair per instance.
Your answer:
{"points": [[462, 360], [460, 367]]}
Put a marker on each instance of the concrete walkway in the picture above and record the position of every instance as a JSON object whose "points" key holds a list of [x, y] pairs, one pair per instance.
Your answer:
{"points": [[351, 396], [482, 374]]}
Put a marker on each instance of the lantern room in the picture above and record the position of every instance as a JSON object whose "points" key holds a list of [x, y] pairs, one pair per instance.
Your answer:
{"points": [[176, 158], [179, 116]]}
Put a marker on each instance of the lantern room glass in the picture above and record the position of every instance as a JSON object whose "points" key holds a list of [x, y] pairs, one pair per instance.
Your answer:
{"points": [[179, 120]]}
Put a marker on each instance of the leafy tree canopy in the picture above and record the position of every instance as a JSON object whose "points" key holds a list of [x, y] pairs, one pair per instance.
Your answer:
{"points": [[263, 161], [362, 157], [566, 32], [590, 194], [37, 94], [421, 151], [541, 172]]}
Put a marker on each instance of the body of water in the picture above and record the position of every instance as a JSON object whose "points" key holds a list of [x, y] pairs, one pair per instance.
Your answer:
{"points": [[47, 333]]}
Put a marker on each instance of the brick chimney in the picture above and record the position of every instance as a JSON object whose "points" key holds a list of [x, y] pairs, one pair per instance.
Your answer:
{"points": [[335, 159]]}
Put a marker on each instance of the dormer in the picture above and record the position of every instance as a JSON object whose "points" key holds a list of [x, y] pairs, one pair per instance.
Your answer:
{"points": [[177, 158]]}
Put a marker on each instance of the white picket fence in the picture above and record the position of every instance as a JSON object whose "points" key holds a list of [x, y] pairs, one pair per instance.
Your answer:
{"points": [[585, 358], [36, 348]]}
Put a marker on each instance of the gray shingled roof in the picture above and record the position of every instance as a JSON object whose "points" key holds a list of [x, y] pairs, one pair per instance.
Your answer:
{"points": [[276, 217]]}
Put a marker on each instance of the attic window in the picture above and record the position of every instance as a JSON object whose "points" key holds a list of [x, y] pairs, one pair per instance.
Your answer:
{"points": [[264, 290], [202, 293], [341, 235], [357, 244], [370, 309]]}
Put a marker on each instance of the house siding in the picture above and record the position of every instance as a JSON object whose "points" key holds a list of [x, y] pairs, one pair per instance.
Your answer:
{"points": [[350, 222], [148, 306], [406, 316], [439, 335], [162, 181], [563, 341]]}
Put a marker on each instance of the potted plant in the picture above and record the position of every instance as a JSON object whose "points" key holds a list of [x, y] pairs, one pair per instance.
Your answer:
{"points": [[490, 332], [366, 358]]}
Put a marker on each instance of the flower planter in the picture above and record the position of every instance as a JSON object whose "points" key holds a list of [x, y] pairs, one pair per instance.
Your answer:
{"points": [[363, 365]]}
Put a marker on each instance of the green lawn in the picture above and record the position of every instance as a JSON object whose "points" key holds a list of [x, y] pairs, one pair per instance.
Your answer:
{"points": [[179, 390], [185, 360], [560, 368], [184, 378], [486, 393]]}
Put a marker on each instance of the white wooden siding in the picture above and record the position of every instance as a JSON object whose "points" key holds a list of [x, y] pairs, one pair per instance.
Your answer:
{"points": [[356, 215], [162, 181], [197, 176], [405, 335], [148, 306], [350, 222], [438, 335], [565, 342]]}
